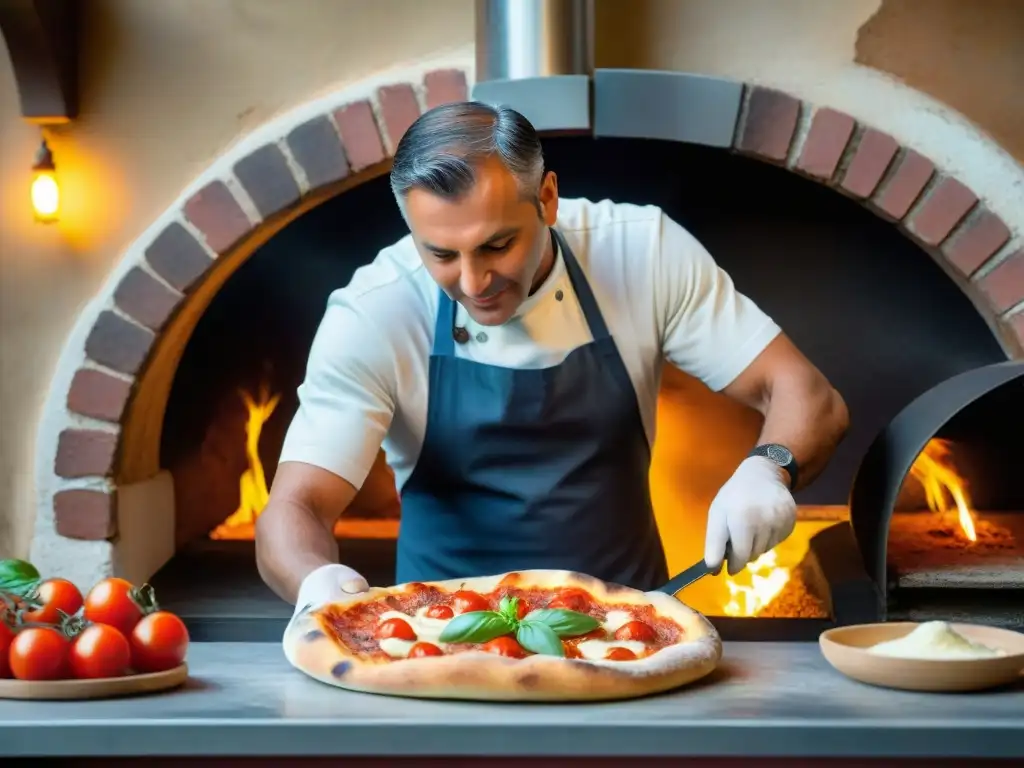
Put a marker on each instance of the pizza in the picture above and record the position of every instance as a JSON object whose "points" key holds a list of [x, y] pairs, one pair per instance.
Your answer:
{"points": [[532, 635]]}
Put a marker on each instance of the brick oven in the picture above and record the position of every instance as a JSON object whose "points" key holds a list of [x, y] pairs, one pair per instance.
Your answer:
{"points": [[893, 276]]}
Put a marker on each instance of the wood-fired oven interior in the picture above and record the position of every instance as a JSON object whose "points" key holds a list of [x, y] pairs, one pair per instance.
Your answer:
{"points": [[872, 310]]}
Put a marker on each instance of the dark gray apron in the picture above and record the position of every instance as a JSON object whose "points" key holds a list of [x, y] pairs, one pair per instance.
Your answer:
{"points": [[532, 468]]}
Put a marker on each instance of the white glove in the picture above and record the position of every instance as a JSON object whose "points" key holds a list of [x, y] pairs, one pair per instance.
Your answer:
{"points": [[751, 514], [329, 584]]}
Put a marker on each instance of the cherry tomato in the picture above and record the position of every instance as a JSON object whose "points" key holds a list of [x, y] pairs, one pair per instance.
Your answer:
{"points": [[635, 630], [398, 628], [39, 653], [620, 654], [424, 649], [522, 608], [505, 645], [113, 601], [439, 612], [55, 595], [572, 599], [100, 651], [465, 601], [6, 638], [159, 642]]}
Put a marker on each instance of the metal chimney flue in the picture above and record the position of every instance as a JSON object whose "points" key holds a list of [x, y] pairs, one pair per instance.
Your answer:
{"points": [[537, 56], [518, 39]]}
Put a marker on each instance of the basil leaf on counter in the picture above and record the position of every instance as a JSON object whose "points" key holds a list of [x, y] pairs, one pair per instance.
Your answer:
{"points": [[562, 622], [476, 627], [539, 638], [18, 577]]}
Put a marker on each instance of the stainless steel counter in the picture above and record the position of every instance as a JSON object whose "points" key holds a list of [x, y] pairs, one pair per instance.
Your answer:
{"points": [[767, 699]]}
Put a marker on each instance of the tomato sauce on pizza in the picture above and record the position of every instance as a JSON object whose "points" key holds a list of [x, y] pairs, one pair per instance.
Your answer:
{"points": [[513, 621]]}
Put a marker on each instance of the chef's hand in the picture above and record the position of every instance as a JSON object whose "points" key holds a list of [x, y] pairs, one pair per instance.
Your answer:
{"points": [[329, 584], [751, 514]]}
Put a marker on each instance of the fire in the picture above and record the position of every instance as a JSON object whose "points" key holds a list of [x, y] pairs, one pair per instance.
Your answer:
{"points": [[253, 493], [934, 469], [751, 590]]}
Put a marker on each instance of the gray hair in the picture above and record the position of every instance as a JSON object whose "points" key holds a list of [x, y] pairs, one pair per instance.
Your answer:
{"points": [[441, 150]]}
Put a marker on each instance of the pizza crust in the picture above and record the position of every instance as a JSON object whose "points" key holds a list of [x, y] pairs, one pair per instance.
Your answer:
{"points": [[479, 675]]}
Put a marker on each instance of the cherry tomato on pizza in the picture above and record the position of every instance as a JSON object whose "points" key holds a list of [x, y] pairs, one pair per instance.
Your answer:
{"points": [[396, 628], [100, 651], [6, 638], [635, 630], [439, 612], [620, 654], [465, 601], [115, 602], [424, 649], [505, 645], [572, 599], [158, 642], [55, 596], [39, 653]]}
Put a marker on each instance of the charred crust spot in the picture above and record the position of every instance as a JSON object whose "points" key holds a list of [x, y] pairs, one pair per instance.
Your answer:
{"points": [[313, 634], [529, 681], [339, 669]]}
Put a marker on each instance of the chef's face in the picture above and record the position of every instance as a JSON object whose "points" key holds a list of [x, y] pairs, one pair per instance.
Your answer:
{"points": [[488, 249]]}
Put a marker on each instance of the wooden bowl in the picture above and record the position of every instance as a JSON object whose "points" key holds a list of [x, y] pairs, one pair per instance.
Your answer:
{"points": [[846, 649], [103, 688]]}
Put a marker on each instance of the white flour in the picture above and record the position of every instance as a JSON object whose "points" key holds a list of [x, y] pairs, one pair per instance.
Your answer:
{"points": [[935, 640]]}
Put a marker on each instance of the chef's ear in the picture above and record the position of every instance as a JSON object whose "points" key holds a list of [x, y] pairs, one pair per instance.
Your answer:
{"points": [[549, 198]]}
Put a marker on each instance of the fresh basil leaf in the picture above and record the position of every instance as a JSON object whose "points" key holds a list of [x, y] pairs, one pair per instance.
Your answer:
{"points": [[18, 577], [539, 638], [564, 623], [476, 627], [509, 608]]}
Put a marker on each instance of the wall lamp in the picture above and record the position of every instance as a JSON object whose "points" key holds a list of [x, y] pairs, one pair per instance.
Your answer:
{"points": [[42, 38]]}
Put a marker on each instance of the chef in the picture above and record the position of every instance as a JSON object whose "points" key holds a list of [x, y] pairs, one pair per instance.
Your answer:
{"points": [[507, 355]]}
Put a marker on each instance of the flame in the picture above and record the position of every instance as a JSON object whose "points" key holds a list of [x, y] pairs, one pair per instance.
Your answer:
{"points": [[765, 580], [253, 493], [934, 469]]}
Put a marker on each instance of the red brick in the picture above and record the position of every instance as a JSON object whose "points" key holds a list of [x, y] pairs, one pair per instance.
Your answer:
{"points": [[216, 213], [398, 109], [942, 210], [178, 257], [316, 147], [85, 453], [982, 235], [1003, 287], [870, 161], [826, 141], [118, 343], [85, 514], [268, 180], [145, 299], [770, 124], [913, 171], [444, 86], [98, 395], [359, 135]]}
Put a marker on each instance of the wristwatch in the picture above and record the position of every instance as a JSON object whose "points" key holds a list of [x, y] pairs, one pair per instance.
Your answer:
{"points": [[781, 455]]}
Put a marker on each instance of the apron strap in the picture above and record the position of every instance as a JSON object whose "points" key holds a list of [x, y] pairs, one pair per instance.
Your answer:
{"points": [[584, 295], [444, 321]]}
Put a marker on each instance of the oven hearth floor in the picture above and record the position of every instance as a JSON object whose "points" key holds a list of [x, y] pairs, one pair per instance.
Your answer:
{"points": [[215, 588]]}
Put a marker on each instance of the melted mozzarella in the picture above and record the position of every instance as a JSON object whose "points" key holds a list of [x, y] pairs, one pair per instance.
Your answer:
{"points": [[614, 620], [426, 628], [596, 650], [395, 648]]}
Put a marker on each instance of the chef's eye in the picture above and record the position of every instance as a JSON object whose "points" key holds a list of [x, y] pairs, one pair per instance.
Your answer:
{"points": [[443, 256], [499, 247]]}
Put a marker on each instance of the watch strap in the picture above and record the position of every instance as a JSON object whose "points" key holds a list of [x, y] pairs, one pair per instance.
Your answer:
{"points": [[780, 455]]}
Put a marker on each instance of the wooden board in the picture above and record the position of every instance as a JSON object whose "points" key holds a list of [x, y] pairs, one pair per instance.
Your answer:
{"points": [[103, 688]]}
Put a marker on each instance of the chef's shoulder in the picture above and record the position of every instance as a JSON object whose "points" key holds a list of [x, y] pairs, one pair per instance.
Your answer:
{"points": [[605, 232], [393, 294]]}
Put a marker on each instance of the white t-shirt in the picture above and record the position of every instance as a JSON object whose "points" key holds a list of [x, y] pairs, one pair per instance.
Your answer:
{"points": [[660, 292]]}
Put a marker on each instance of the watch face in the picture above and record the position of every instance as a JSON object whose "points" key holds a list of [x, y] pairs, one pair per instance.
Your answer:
{"points": [[779, 455]]}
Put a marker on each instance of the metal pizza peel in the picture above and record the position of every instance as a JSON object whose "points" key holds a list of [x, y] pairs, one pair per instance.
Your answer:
{"points": [[694, 573]]}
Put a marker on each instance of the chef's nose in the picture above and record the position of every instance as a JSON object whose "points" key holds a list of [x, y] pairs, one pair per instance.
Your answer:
{"points": [[474, 279]]}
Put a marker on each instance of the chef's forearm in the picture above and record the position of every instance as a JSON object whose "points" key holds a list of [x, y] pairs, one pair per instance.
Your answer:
{"points": [[808, 416], [291, 542]]}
